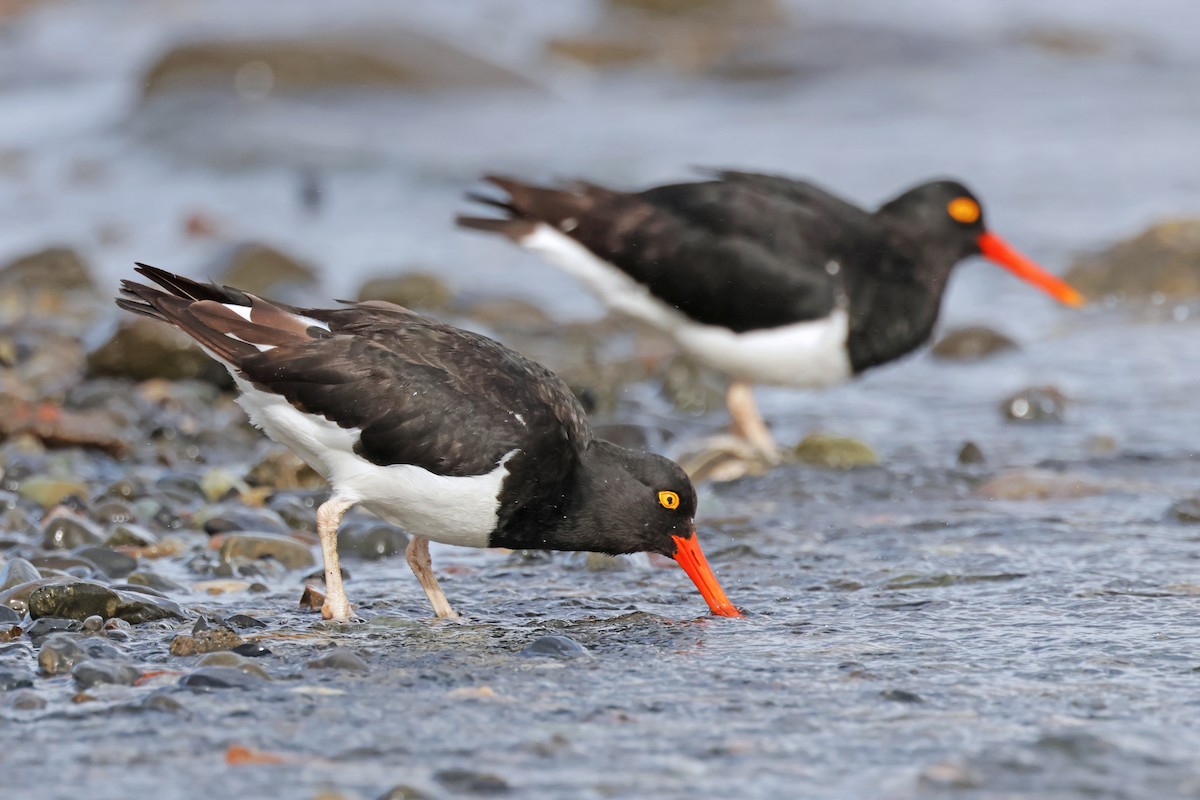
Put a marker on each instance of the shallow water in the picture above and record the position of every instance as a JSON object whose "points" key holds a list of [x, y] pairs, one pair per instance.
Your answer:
{"points": [[907, 636]]}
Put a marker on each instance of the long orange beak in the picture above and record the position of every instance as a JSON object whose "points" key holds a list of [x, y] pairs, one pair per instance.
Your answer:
{"points": [[691, 558], [1004, 254]]}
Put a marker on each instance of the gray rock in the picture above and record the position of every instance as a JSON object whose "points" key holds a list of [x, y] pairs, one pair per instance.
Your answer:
{"points": [[142, 349], [1035, 404], [60, 652], [555, 646], [65, 530], [261, 269], [14, 678], [253, 520], [1162, 260], [110, 562], [25, 700], [8, 616], [55, 268], [1185, 510], [81, 600], [469, 781], [421, 291], [221, 678], [970, 454], [47, 626], [340, 658], [371, 542], [96, 671], [130, 535], [972, 343], [48, 491], [150, 580], [17, 571]]}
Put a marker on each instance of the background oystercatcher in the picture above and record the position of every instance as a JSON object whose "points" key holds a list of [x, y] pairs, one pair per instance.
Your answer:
{"points": [[446, 433], [768, 279]]}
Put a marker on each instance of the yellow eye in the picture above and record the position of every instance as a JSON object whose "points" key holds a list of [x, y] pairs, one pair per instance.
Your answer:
{"points": [[668, 499], [963, 209]]}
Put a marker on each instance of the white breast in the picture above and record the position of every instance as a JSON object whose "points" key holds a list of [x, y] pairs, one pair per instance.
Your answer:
{"points": [[808, 354], [459, 511]]}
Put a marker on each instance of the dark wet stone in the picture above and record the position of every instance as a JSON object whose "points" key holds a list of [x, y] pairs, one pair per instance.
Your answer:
{"points": [[1186, 510], [251, 546], [1035, 404], [142, 349], [221, 678], [403, 793], [93, 624], [82, 600], [246, 519], [160, 701], [115, 512], [14, 678], [261, 269], [901, 696], [55, 268], [150, 580], [471, 782], [100, 670], [244, 622], [833, 452], [17, 571], [66, 531], [64, 564], [25, 700], [971, 343], [8, 616], [41, 628], [415, 290], [110, 562], [284, 470], [252, 650], [340, 658], [205, 638], [970, 454], [60, 652], [371, 542], [555, 646], [130, 535]]}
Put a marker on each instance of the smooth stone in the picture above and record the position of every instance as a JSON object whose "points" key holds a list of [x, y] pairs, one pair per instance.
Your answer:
{"points": [[82, 600], [833, 452], [244, 622], [121, 513], [48, 492], [469, 781], [151, 580], [65, 564], [66, 531], [972, 343], [60, 652], [227, 520], [55, 268], [93, 624], [1035, 404], [221, 678], [46, 626], [1185, 510], [372, 542], [25, 700], [205, 641], [252, 546], [261, 269], [416, 290], [17, 571], [1163, 260], [15, 678], [403, 792], [142, 349], [252, 650], [129, 534], [8, 616], [98, 670], [1038, 484], [111, 563], [970, 454], [340, 658], [555, 646]]}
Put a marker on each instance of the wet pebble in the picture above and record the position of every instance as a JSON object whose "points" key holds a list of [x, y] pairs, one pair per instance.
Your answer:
{"points": [[115, 512], [252, 650], [17, 571], [244, 622], [371, 542], [1038, 484], [1035, 404], [415, 290], [8, 616], [970, 454], [972, 343], [82, 600], [469, 781], [901, 696], [46, 626], [252, 546], [104, 671], [555, 646], [14, 678], [144, 579], [833, 452], [48, 492], [204, 642], [130, 535], [62, 651], [339, 658], [112, 563], [221, 678], [245, 519], [1186, 510], [25, 700], [403, 792], [65, 530]]}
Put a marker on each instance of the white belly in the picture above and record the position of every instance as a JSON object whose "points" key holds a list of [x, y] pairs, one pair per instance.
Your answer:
{"points": [[808, 354], [459, 511]]}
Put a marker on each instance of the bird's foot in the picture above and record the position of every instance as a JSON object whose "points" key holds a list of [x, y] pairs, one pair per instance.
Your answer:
{"points": [[338, 611]]}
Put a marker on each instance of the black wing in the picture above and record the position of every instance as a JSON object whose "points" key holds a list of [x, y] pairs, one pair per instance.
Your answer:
{"points": [[421, 392], [744, 251]]}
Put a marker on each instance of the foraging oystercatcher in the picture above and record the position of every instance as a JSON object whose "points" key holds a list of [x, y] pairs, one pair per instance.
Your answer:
{"points": [[446, 433], [768, 279]]}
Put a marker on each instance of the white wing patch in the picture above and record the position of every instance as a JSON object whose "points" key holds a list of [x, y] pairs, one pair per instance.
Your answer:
{"points": [[458, 511], [806, 354]]}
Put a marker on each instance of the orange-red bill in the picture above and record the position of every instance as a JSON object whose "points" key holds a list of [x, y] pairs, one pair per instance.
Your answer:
{"points": [[1007, 256], [691, 558]]}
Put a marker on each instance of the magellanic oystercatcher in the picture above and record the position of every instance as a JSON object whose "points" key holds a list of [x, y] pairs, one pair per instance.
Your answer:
{"points": [[767, 279], [443, 432]]}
